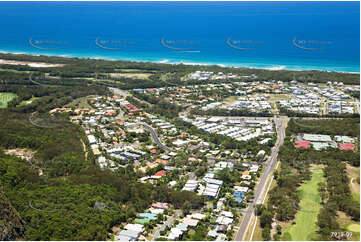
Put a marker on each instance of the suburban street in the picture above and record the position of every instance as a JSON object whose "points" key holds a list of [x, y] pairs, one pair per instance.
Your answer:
{"points": [[280, 126], [166, 224], [155, 137]]}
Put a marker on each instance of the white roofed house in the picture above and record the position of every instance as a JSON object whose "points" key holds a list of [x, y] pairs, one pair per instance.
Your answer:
{"points": [[254, 168], [136, 227], [212, 233], [344, 139], [92, 140], [261, 153], [256, 123], [156, 210], [246, 177], [319, 141], [227, 214], [224, 220], [123, 238], [240, 189], [213, 187], [191, 185], [180, 143], [175, 233], [198, 216], [102, 162], [223, 165], [131, 235], [317, 138], [264, 141]]}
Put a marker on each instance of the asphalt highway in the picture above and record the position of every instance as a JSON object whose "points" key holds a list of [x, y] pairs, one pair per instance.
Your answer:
{"points": [[262, 183]]}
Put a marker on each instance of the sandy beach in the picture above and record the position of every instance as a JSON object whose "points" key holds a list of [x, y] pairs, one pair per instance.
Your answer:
{"points": [[32, 64]]}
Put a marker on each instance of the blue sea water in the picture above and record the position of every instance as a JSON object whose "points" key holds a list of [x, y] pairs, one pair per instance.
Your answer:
{"points": [[273, 35]]}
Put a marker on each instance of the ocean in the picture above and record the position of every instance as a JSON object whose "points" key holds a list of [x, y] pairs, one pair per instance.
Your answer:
{"points": [[271, 35]]}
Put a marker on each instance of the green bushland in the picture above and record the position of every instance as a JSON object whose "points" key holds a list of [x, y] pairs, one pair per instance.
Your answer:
{"points": [[60, 204]]}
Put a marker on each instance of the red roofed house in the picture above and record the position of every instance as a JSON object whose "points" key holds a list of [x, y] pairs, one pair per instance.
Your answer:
{"points": [[302, 144], [152, 165], [132, 108], [161, 173], [245, 173], [346, 146], [110, 113], [160, 161], [160, 205]]}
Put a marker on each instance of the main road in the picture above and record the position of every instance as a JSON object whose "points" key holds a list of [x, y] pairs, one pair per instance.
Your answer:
{"points": [[249, 213]]}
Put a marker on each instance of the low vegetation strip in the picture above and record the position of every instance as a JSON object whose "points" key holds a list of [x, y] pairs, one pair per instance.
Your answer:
{"points": [[305, 222]]}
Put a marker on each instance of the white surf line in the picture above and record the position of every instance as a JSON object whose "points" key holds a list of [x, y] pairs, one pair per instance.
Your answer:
{"points": [[255, 222]]}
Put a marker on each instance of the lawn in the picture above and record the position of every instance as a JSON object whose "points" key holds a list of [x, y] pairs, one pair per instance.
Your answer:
{"points": [[347, 224], [6, 97], [306, 217]]}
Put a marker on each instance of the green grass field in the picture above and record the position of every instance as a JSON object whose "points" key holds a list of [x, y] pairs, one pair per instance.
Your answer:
{"points": [[306, 217], [6, 97], [347, 224]]}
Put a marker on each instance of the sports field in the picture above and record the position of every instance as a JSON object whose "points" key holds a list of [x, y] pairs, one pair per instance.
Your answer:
{"points": [[306, 217], [6, 97]]}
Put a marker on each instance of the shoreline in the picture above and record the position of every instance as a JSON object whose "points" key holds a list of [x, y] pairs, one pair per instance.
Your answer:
{"points": [[273, 67]]}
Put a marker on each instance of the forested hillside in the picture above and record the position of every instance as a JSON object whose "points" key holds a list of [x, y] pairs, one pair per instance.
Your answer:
{"points": [[60, 204], [11, 226]]}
